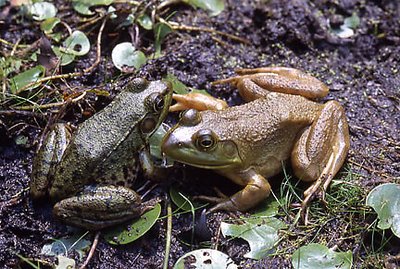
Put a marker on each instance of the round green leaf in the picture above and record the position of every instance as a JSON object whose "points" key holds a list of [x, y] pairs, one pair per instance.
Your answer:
{"points": [[77, 44], [126, 58], [319, 256], [205, 259], [214, 7], [65, 58], [83, 6], [42, 10], [31, 75], [145, 21], [127, 234], [48, 25], [385, 200]]}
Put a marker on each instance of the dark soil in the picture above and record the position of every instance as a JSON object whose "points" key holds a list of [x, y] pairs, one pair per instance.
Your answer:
{"points": [[362, 71]]}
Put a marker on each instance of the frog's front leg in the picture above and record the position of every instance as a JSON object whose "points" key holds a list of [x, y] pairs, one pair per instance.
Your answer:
{"points": [[98, 207], [321, 150], [259, 82], [255, 191], [47, 158]]}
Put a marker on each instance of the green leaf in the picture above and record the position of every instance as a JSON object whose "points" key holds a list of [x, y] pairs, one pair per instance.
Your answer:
{"points": [[205, 259], [177, 85], [77, 44], [125, 57], [42, 10], [83, 6], [260, 233], [182, 201], [65, 58], [268, 208], [145, 21], [213, 7], [127, 234], [180, 88], [48, 25], [31, 75], [161, 30], [385, 200], [352, 22], [319, 256]]}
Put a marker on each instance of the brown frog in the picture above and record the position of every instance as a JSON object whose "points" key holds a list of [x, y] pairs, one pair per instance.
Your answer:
{"points": [[249, 143]]}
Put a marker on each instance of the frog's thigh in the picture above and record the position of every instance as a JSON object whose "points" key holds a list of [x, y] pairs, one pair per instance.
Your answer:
{"points": [[47, 158], [256, 190], [283, 80], [322, 148], [98, 207]]}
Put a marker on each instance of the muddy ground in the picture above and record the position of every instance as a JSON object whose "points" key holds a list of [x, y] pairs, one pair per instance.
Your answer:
{"points": [[362, 72]]}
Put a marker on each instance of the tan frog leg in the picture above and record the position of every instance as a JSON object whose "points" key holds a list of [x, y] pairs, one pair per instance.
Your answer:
{"points": [[197, 101], [256, 190], [258, 82], [321, 150]]}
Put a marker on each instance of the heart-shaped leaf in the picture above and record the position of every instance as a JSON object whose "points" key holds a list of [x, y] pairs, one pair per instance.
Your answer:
{"points": [[317, 256], [126, 58], [42, 10], [385, 200], [260, 233], [77, 44]]}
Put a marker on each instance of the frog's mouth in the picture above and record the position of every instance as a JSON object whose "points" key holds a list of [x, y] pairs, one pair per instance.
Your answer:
{"points": [[224, 154]]}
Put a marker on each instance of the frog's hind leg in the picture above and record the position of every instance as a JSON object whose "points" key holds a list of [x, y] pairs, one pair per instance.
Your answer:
{"points": [[258, 82], [321, 151], [98, 207]]}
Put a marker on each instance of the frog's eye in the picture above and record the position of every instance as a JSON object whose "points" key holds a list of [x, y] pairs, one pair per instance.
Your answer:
{"points": [[205, 140], [148, 125], [155, 102], [158, 103]]}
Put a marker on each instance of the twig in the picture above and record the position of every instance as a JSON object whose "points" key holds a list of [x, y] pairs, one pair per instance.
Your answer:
{"points": [[176, 26], [168, 236], [23, 113], [51, 104], [92, 250]]}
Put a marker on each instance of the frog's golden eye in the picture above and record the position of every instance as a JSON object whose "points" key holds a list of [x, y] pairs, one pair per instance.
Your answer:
{"points": [[205, 140], [148, 125]]}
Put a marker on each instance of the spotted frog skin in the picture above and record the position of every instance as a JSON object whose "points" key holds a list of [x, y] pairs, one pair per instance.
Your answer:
{"points": [[89, 174], [250, 142]]}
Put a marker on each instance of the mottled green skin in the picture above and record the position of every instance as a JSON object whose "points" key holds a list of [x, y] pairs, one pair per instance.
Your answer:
{"points": [[104, 148]]}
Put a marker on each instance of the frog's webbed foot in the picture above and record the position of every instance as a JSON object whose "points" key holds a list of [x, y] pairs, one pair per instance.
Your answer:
{"points": [[256, 190], [320, 151], [259, 82], [197, 101]]}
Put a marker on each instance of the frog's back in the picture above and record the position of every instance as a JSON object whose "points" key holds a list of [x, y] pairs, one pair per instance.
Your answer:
{"points": [[264, 130], [95, 144]]}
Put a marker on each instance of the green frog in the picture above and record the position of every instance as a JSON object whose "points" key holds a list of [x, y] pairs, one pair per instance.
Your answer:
{"points": [[90, 173], [250, 142]]}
